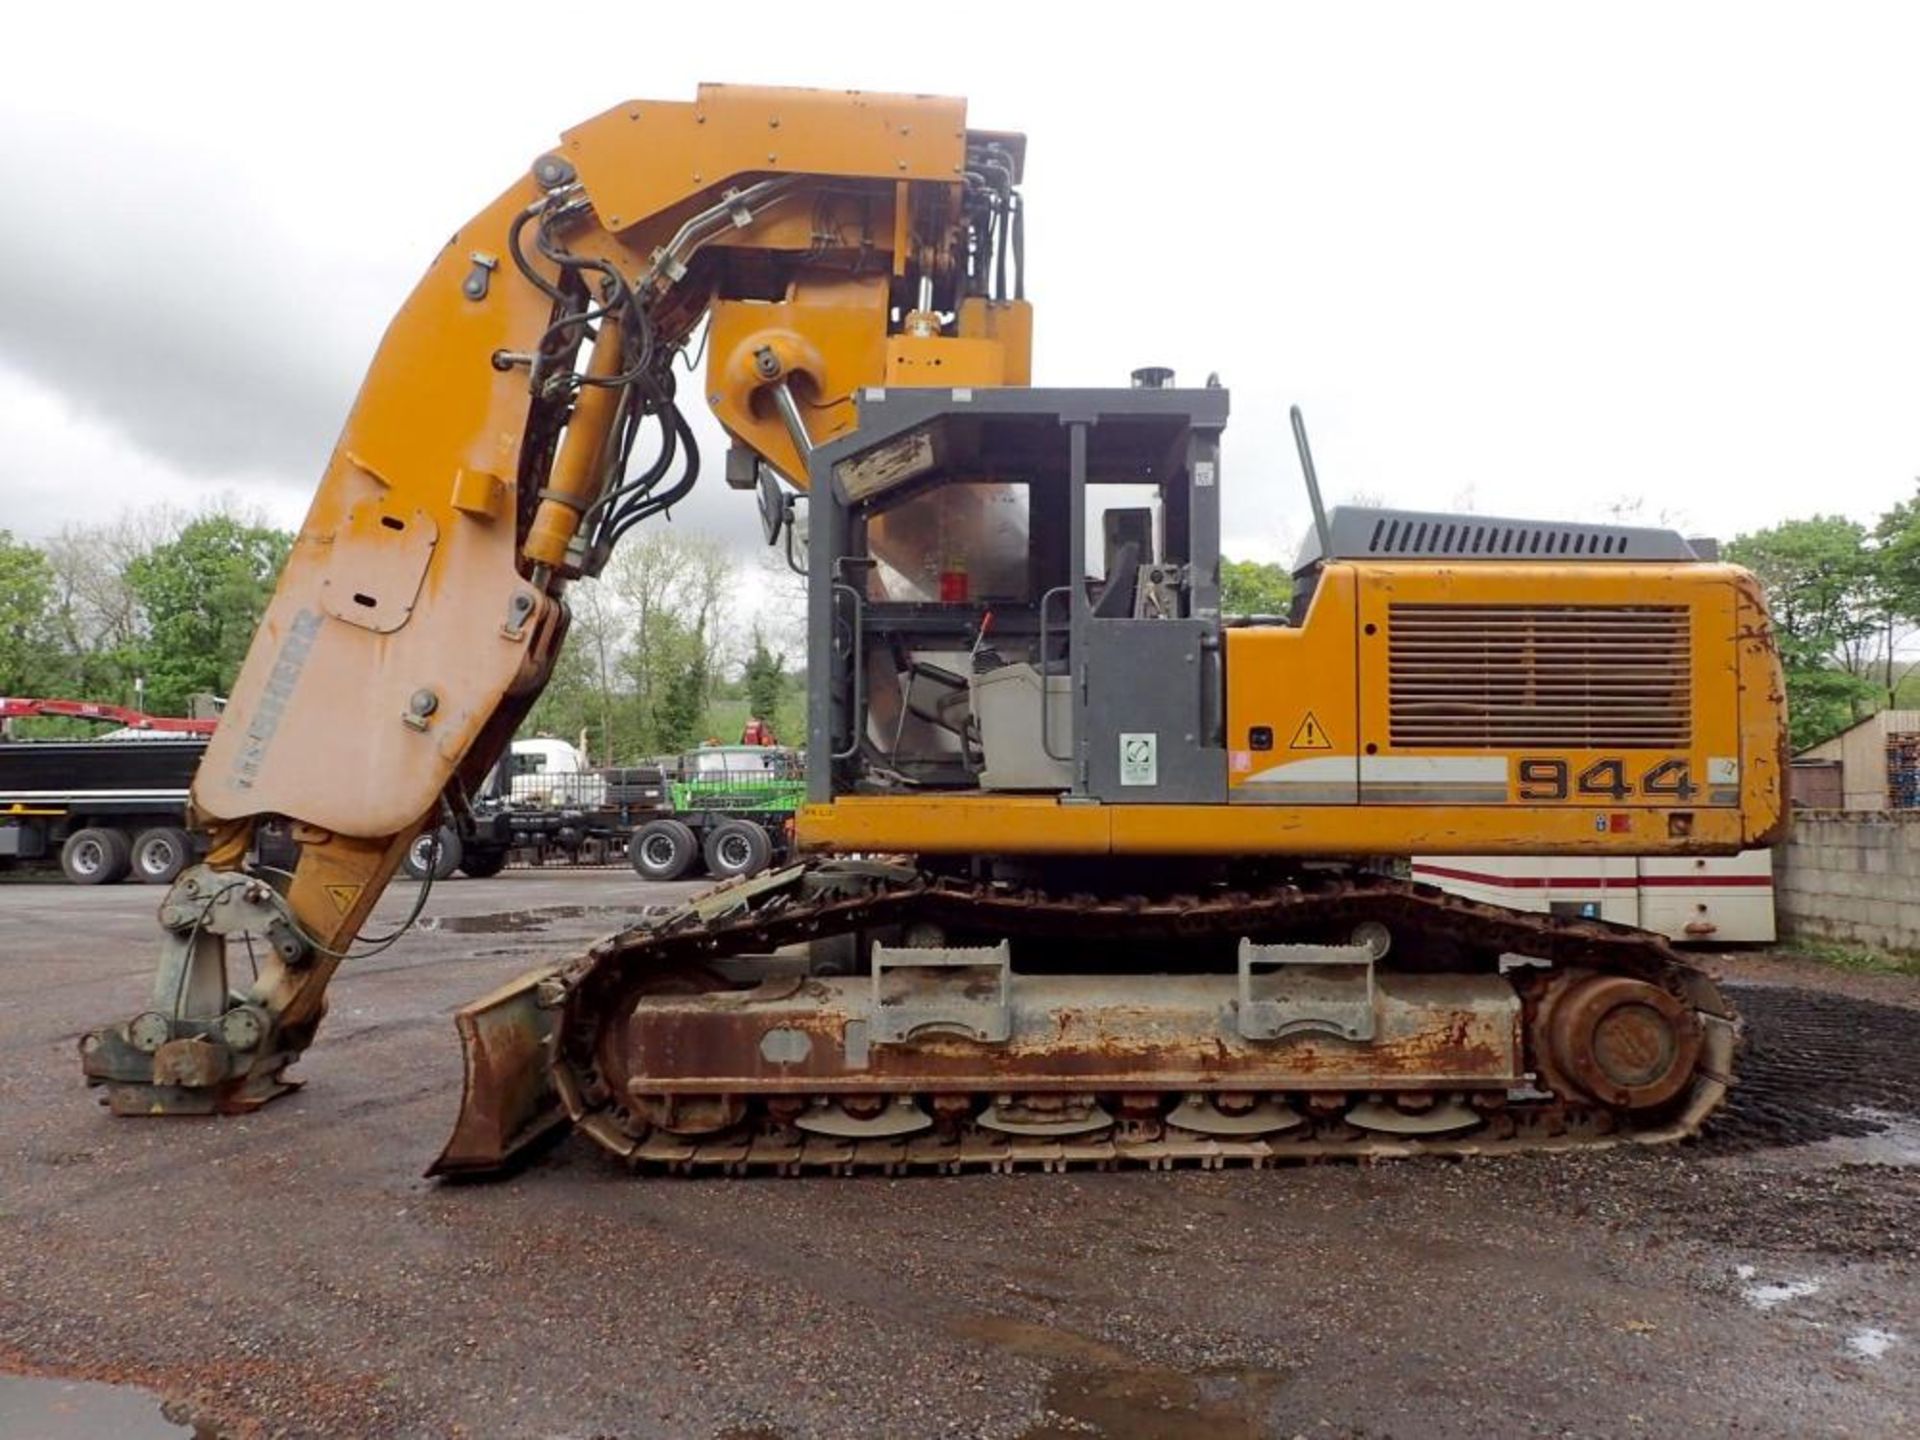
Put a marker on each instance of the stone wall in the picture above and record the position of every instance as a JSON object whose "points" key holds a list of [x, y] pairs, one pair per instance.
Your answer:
{"points": [[1851, 875]]}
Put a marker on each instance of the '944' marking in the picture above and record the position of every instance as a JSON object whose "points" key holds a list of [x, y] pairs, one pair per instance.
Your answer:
{"points": [[1544, 778]]}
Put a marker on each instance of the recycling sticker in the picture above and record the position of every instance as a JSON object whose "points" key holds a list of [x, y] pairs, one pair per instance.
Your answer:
{"points": [[1139, 758]]}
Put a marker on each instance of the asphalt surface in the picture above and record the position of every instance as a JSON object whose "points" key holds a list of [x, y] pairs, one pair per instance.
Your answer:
{"points": [[290, 1272]]}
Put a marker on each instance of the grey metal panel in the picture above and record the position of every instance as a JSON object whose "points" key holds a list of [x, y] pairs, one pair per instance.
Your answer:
{"points": [[1363, 532], [1203, 521], [885, 412], [1145, 678], [827, 535]]}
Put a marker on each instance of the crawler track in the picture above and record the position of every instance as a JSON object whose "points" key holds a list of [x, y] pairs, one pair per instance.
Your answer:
{"points": [[1433, 933]]}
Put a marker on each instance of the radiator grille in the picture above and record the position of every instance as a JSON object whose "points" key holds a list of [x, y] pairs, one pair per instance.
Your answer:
{"points": [[1426, 535], [1561, 677]]}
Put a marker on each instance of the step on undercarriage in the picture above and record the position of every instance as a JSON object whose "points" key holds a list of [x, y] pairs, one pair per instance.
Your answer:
{"points": [[850, 1016]]}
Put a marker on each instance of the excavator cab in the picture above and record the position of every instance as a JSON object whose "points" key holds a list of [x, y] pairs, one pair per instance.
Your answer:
{"points": [[1019, 658]]}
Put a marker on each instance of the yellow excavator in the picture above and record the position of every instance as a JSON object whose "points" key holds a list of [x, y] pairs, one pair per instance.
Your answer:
{"points": [[1091, 871]]}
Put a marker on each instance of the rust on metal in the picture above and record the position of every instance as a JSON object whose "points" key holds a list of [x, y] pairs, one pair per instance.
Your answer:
{"points": [[196, 1063], [1071, 1032], [1622, 1040], [698, 1042], [507, 1100]]}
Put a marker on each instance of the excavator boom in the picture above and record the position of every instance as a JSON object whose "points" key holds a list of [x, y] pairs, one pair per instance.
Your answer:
{"points": [[489, 462]]}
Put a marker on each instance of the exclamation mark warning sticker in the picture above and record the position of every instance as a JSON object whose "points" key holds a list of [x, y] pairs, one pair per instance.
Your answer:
{"points": [[343, 896], [1310, 736]]}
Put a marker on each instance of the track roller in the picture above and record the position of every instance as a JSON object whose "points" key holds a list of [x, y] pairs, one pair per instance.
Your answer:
{"points": [[1234, 1115], [1443, 1117], [864, 1117]]}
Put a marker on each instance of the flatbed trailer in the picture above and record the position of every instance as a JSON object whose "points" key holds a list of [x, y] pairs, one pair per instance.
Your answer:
{"points": [[537, 818], [731, 814], [106, 810]]}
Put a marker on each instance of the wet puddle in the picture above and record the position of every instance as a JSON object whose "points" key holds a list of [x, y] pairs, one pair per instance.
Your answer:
{"points": [[1871, 1343], [1097, 1390], [1896, 1143], [504, 922], [1872, 1136], [1866, 1343], [1768, 1294], [40, 1408], [1150, 1403]]}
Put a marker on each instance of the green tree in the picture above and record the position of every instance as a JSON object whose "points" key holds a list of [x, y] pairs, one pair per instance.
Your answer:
{"points": [[1897, 561], [677, 660], [202, 594], [571, 700], [1248, 587], [30, 653], [1898, 557], [1823, 588], [764, 676], [98, 616]]}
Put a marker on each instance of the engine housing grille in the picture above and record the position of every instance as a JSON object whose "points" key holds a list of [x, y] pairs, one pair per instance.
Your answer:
{"points": [[1559, 677]]}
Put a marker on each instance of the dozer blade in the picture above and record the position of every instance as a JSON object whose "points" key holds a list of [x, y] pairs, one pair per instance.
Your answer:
{"points": [[507, 1101]]}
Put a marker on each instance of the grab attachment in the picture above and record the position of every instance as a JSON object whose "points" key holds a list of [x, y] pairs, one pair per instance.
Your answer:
{"points": [[202, 1048]]}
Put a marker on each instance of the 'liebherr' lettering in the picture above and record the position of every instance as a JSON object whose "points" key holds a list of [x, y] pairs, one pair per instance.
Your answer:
{"points": [[273, 699]]}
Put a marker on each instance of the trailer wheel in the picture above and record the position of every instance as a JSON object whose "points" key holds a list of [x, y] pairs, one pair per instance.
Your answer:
{"points": [[160, 854], [662, 850], [420, 854], [737, 847], [96, 856], [482, 864]]}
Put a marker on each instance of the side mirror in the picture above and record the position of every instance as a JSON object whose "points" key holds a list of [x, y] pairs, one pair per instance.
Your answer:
{"points": [[797, 535], [776, 510]]}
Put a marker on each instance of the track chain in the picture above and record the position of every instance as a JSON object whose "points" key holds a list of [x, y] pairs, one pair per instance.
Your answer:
{"points": [[820, 901]]}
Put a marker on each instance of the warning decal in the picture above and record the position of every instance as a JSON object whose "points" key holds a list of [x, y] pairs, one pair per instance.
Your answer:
{"points": [[1310, 736], [343, 896]]}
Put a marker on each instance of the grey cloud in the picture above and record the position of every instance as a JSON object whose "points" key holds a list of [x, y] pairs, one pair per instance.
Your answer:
{"points": [[164, 308], [156, 303]]}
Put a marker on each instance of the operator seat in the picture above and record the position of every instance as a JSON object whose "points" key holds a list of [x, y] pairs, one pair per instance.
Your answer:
{"points": [[1116, 601]]}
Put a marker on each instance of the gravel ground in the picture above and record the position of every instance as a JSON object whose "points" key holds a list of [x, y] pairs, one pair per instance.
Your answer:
{"points": [[291, 1273]]}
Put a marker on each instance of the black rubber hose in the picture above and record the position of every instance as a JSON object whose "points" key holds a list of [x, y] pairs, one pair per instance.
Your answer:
{"points": [[681, 487], [619, 501], [1003, 222], [525, 266]]}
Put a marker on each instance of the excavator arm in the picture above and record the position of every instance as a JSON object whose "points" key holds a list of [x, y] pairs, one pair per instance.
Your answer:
{"points": [[829, 241]]}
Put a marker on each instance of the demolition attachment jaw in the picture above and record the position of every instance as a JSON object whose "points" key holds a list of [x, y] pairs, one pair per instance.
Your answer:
{"points": [[200, 1048]]}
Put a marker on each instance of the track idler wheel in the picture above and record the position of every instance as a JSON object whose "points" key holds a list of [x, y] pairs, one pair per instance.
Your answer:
{"points": [[1625, 1042]]}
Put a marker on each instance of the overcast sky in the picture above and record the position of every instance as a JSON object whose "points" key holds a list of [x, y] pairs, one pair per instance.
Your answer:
{"points": [[1521, 259]]}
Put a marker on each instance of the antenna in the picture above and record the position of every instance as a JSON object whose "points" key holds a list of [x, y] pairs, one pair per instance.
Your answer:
{"points": [[1313, 484]]}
